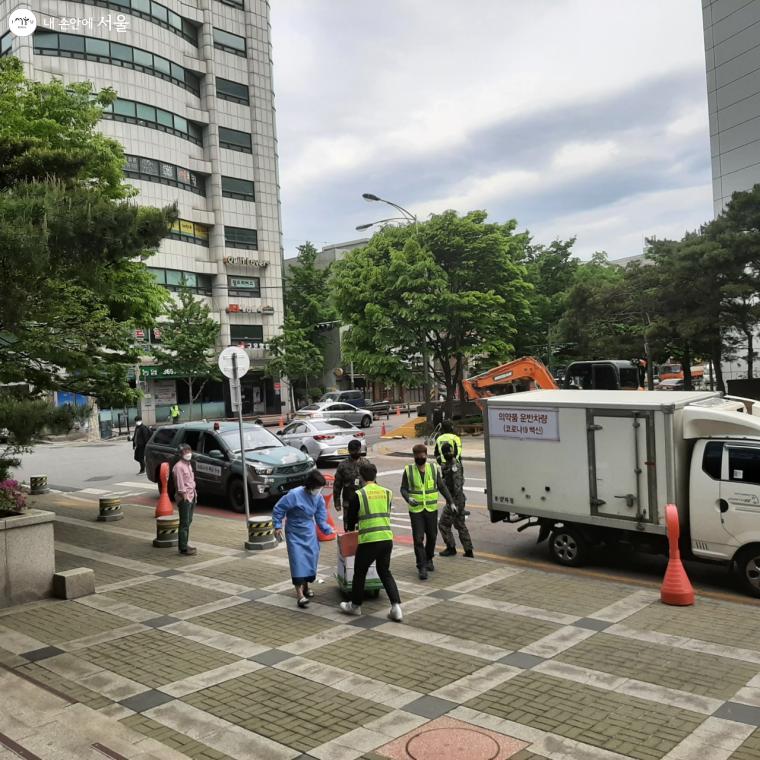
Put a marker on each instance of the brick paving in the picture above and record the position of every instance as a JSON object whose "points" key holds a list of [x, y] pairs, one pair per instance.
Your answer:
{"points": [[261, 678]]}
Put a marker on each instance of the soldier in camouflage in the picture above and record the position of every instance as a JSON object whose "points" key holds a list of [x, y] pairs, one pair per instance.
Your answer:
{"points": [[454, 514], [347, 478]]}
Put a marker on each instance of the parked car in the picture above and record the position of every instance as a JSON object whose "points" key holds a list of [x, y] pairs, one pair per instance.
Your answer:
{"points": [[340, 410], [273, 467], [322, 440], [672, 384], [354, 396]]}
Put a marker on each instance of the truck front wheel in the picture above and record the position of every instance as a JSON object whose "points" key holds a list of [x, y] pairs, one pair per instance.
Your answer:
{"points": [[236, 495], [568, 546], [748, 569]]}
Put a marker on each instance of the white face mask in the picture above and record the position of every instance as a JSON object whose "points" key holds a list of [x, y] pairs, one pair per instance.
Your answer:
{"points": [[187, 457], [314, 491], [138, 423]]}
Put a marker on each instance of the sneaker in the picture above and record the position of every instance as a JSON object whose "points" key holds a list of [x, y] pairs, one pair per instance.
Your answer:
{"points": [[469, 554], [422, 571], [449, 551], [430, 565], [349, 608], [395, 613], [188, 550]]}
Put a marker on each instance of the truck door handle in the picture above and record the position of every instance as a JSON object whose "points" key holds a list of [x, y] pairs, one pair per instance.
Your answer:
{"points": [[723, 504], [630, 499]]}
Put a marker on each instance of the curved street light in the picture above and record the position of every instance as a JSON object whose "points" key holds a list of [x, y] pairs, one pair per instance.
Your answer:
{"points": [[408, 215], [382, 221]]}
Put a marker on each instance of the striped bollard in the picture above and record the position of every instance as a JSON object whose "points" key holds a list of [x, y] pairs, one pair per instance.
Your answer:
{"points": [[38, 485], [110, 509], [260, 533], [167, 531]]}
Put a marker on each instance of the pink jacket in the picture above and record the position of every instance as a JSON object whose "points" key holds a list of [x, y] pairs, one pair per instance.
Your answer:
{"points": [[184, 480]]}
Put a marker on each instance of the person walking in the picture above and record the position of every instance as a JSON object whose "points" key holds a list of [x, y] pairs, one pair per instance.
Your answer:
{"points": [[300, 508], [447, 435], [453, 514], [421, 486], [186, 496], [175, 412], [370, 510], [347, 478], [140, 438]]}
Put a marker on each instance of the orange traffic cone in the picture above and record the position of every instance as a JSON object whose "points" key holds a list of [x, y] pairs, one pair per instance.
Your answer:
{"points": [[282, 421], [398, 410], [676, 588], [164, 507], [382, 429], [328, 498]]}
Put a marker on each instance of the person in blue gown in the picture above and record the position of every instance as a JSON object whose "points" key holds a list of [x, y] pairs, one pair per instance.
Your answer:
{"points": [[300, 508]]}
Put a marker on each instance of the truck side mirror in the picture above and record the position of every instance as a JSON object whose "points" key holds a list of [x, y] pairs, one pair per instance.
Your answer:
{"points": [[216, 454]]}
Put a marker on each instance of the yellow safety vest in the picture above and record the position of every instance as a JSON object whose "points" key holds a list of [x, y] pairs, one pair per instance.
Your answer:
{"points": [[453, 440], [175, 411], [374, 513], [423, 490]]}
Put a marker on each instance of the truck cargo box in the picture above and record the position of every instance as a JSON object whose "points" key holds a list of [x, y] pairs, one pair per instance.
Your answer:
{"points": [[611, 458]]}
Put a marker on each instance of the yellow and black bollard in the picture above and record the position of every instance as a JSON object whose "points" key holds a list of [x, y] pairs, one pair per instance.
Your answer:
{"points": [[110, 509], [38, 485], [167, 531], [260, 533]]}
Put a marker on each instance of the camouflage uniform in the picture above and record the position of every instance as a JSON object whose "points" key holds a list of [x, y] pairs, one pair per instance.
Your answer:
{"points": [[454, 515], [347, 483]]}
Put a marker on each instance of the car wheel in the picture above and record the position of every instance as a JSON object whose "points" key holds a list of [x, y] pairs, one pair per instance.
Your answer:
{"points": [[236, 495], [747, 566], [366, 421], [568, 546]]}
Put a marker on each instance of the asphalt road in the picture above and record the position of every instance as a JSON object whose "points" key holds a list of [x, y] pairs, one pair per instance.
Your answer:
{"points": [[88, 471]]}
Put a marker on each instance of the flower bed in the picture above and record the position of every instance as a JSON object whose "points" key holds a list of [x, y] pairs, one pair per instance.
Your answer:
{"points": [[12, 498]]}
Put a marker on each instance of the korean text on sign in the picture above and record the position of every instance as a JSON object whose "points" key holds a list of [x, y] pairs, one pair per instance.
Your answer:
{"points": [[526, 424]]}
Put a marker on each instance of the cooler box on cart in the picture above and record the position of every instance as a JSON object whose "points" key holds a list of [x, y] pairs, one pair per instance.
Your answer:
{"points": [[347, 544]]}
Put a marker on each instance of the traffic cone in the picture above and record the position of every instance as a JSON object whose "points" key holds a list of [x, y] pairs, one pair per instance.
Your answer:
{"points": [[328, 498], [398, 410], [382, 429], [676, 588], [164, 507], [282, 421]]}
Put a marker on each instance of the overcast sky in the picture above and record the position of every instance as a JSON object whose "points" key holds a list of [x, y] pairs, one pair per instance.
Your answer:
{"points": [[583, 118]]}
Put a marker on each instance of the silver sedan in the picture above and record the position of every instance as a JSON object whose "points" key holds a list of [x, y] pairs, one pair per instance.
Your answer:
{"points": [[322, 439], [336, 410]]}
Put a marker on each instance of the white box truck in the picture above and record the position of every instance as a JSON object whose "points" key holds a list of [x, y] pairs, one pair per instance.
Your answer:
{"points": [[595, 468]]}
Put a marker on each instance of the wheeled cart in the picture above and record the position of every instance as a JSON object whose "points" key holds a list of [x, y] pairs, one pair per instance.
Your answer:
{"points": [[344, 574]]}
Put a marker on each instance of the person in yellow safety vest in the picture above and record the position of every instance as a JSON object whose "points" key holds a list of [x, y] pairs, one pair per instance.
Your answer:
{"points": [[370, 509], [447, 436], [175, 413], [421, 486]]}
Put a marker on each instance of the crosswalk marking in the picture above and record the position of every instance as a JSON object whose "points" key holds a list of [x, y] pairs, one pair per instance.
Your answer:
{"points": [[94, 491], [145, 486]]}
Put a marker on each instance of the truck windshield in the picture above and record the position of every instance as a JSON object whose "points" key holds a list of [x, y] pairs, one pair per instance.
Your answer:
{"points": [[253, 437]]}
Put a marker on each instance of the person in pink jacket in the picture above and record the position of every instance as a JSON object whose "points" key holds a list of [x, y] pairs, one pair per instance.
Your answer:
{"points": [[186, 496]]}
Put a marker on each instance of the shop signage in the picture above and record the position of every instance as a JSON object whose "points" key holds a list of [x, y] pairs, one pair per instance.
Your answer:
{"points": [[245, 261], [158, 372], [234, 308]]}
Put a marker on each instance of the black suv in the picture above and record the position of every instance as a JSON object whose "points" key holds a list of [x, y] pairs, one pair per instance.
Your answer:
{"points": [[273, 468]]}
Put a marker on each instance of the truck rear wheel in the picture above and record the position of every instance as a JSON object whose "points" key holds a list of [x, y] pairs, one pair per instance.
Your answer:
{"points": [[748, 569], [568, 546]]}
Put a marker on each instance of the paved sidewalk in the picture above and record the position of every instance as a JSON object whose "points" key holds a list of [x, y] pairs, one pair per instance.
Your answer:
{"points": [[208, 657]]}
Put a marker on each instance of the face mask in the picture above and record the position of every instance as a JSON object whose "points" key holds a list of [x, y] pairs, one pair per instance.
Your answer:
{"points": [[314, 491], [138, 423], [420, 460], [187, 457]]}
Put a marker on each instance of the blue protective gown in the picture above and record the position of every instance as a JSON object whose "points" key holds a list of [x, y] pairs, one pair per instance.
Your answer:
{"points": [[300, 509]]}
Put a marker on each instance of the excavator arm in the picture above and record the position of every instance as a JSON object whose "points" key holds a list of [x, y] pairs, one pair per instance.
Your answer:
{"points": [[494, 381]]}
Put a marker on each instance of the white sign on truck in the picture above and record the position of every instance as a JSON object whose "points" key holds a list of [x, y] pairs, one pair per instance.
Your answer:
{"points": [[621, 458]]}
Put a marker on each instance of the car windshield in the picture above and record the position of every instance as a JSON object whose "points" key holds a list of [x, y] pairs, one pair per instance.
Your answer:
{"points": [[330, 397], [309, 408], [325, 424], [254, 438], [338, 424]]}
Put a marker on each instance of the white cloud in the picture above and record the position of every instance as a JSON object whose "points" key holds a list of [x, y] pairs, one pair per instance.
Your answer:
{"points": [[585, 156]]}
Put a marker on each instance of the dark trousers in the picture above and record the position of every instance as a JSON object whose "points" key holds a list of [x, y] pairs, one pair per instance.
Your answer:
{"points": [[378, 552], [185, 509], [424, 531]]}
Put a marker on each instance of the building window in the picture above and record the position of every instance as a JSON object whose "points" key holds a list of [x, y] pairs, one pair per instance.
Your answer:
{"points": [[244, 287], [90, 49], [239, 237], [234, 3], [156, 13], [150, 170], [232, 91], [133, 112], [242, 189], [190, 232], [235, 140], [174, 280], [251, 336], [6, 44], [229, 42]]}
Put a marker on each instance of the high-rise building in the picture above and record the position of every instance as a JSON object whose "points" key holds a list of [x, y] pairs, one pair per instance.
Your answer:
{"points": [[732, 53], [195, 114]]}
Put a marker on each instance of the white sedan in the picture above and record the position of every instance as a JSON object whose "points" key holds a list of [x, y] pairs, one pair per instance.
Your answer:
{"points": [[322, 440], [326, 410]]}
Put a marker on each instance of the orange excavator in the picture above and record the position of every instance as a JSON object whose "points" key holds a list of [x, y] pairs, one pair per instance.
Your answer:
{"points": [[529, 373]]}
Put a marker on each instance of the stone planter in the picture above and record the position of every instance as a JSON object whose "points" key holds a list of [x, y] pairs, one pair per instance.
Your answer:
{"points": [[27, 556]]}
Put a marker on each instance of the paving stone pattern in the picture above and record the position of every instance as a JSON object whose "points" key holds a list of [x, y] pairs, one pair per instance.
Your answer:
{"points": [[636, 727], [449, 570], [708, 620], [287, 708], [499, 629], [263, 623], [74, 691], [703, 674], [749, 749], [172, 738], [566, 594], [59, 622], [254, 573], [404, 663], [166, 595], [155, 658], [104, 572]]}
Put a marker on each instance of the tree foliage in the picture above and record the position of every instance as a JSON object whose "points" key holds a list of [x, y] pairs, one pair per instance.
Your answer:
{"points": [[293, 354]]}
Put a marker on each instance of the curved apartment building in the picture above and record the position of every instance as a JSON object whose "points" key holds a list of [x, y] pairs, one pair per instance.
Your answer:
{"points": [[195, 114]]}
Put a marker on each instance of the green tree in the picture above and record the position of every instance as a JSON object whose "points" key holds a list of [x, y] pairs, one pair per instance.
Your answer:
{"points": [[294, 355], [452, 287], [188, 337]]}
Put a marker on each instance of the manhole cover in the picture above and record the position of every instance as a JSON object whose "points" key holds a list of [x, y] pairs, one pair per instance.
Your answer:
{"points": [[442, 743]]}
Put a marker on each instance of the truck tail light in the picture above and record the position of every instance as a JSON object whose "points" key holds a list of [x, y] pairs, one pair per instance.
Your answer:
{"points": [[323, 437]]}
